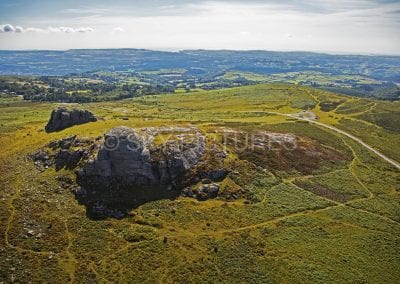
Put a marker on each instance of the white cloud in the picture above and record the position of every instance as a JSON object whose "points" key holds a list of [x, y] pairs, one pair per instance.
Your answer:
{"points": [[351, 26], [84, 30], [70, 30], [118, 30], [8, 28], [54, 30], [34, 30], [67, 30]]}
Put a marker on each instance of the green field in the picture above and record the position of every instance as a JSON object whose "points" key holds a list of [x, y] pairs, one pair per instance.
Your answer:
{"points": [[328, 219]]}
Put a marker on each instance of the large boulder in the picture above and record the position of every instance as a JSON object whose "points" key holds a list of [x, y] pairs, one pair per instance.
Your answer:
{"points": [[128, 167], [132, 157], [62, 118]]}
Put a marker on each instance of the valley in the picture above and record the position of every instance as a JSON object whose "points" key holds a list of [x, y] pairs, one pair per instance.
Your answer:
{"points": [[82, 76]]}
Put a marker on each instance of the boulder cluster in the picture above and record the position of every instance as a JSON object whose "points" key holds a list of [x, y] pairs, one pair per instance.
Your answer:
{"points": [[128, 167], [130, 157], [205, 191], [64, 153], [62, 118]]}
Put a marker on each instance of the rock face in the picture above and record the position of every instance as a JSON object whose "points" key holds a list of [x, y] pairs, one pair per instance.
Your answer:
{"points": [[130, 157], [204, 192], [65, 153], [62, 118], [128, 167]]}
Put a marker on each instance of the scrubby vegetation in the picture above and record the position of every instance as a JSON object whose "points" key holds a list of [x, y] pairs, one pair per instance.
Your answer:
{"points": [[283, 217]]}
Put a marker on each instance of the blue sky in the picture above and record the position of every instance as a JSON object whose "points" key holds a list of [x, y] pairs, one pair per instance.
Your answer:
{"points": [[349, 26]]}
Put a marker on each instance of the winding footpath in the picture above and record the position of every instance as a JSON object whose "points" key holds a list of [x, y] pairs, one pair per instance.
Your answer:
{"points": [[358, 140]]}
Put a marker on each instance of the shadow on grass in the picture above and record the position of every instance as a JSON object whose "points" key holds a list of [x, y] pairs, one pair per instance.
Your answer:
{"points": [[118, 202]]}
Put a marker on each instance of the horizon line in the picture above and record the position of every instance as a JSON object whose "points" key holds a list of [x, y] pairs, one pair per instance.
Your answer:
{"points": [[177, 50]]}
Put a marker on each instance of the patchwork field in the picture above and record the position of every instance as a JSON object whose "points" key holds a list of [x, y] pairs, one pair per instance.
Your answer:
{"points": [[326, 211]]}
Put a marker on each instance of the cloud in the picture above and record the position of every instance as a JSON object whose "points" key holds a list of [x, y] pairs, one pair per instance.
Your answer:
{"points": [[70, 30], [34, 30], [54, 30], [118, 30], [318, 25], [84, 30], [19, 29], [8, 28]]}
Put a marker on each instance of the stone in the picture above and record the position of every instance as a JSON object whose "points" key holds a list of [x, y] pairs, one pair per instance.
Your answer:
{"points": [[213, 190], [61, 153], [128, 157], [62, 118], [69, 159], [208, 191], [204, 192], [67, 142], [42, 159], [217, 175], [30, 233]]}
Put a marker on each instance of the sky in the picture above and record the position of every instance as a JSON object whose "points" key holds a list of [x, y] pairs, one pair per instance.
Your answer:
{"points": [[339, 26]]}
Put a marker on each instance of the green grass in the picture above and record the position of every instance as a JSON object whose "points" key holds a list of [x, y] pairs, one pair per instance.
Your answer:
{"points": [[303, 77], [276, 232]]}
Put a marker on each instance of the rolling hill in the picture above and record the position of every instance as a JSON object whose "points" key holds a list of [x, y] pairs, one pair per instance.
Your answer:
{"points": [[326, 210]]}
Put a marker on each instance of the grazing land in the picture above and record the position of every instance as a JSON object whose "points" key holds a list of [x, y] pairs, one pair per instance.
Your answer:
{"points": [[327, 210]]}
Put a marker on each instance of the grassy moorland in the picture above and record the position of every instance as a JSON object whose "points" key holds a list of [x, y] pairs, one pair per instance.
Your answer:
{"points": [[329, 220]]}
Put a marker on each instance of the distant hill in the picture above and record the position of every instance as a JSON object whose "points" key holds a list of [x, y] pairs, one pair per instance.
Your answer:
{"points": [[52, 63], [358, 75]]}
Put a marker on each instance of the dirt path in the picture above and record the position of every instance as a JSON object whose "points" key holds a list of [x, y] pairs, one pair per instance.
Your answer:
{"points": [[358, 140], [71, 261], [281, 218]]}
